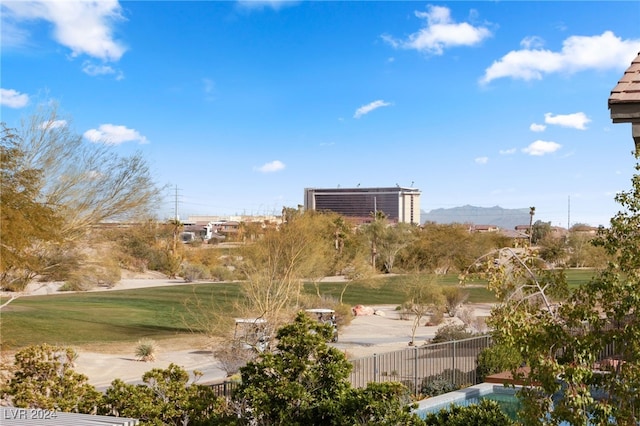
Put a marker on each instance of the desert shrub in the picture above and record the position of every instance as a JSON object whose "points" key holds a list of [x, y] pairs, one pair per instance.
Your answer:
{"points": [[486, 413], [232, 357], [454, 297], [436, 317], [105, 274], [447, 381], [194, 272], [222, 273], [437, 387], [496, 359], [146, 350], [450, 332]]}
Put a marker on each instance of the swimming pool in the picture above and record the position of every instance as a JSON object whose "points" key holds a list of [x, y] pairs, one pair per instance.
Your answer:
{"points": [[504, 396]]}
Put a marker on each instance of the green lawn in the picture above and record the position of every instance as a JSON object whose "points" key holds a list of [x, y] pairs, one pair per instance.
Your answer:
{"points": [[158, 313]]}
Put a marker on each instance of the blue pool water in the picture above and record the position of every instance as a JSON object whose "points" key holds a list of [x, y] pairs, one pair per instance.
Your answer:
{"points": [[472, 395], [504, 396]]}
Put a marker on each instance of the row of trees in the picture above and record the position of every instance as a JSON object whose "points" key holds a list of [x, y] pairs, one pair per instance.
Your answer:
{"points": [[56, 187]]}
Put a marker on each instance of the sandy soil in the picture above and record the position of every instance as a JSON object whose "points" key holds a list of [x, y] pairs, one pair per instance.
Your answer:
{"points": [[364, 336]]}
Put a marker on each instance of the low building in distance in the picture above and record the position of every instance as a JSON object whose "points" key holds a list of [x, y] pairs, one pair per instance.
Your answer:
{"points": [[399, 204]]}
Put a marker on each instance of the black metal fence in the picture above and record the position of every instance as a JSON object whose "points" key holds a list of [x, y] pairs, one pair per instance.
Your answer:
{"points": [[454, 362], [225, 388]]}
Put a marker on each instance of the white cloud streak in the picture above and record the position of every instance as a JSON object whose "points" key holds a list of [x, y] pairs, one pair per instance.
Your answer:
{"points": [[539, 148], [507, 151], [440, 32], [482, 160], [111, 134], [535, 127], [85, 27], [13, 99], [273, 166], [55, 124], [366, 109], [578, 53], [578, 120], [261, 4]]}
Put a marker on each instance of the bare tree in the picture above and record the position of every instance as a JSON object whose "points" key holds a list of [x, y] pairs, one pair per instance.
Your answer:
{"points": [[423, 297], [72, 185], [86, 182]]}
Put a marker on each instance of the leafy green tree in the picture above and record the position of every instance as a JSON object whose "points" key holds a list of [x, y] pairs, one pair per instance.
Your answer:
{"points": [[539, 231], [582, 253], [305, 381], [167, 397], [438, 249], [394, 239], [562, 343], [552, 249], [373, 233], [496, 359], [44, 378]]}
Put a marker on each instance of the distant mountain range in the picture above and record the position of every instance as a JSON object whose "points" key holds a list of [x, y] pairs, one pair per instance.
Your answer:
{"points": [[504, 218]]}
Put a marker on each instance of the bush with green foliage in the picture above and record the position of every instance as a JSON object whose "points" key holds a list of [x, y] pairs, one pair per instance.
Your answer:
{"points": [[305, 382], [165, 398], [496, 359], [44, 378], [450, 332], [485, 413]]}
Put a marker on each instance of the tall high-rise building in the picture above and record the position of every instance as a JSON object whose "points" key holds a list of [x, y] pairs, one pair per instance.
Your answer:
{"points": [[397, 203]]}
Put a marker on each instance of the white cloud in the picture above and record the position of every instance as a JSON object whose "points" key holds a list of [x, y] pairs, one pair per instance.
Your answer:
{"points": [[576, 120], [111, 134], [535, 127], [532, 42], [271, 167], [85, 27], [366, 109], [55, 124], [13, 99], [539, 148], [507, 151], [92, 69], [482, 160], [261, 4], [440, 32], [579, 53]]}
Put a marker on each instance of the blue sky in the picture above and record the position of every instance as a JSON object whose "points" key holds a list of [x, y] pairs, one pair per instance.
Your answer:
{"points": [[241, 105]]}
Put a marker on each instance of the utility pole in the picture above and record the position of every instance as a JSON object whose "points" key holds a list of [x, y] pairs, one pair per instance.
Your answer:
{"points": [[175, 216]]}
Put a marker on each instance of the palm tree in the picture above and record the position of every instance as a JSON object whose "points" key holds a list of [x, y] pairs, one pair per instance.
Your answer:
{"points": [[532, 211]]}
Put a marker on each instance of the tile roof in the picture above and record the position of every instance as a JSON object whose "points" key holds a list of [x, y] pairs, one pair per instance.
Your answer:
{"points": [[624, 101]]}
